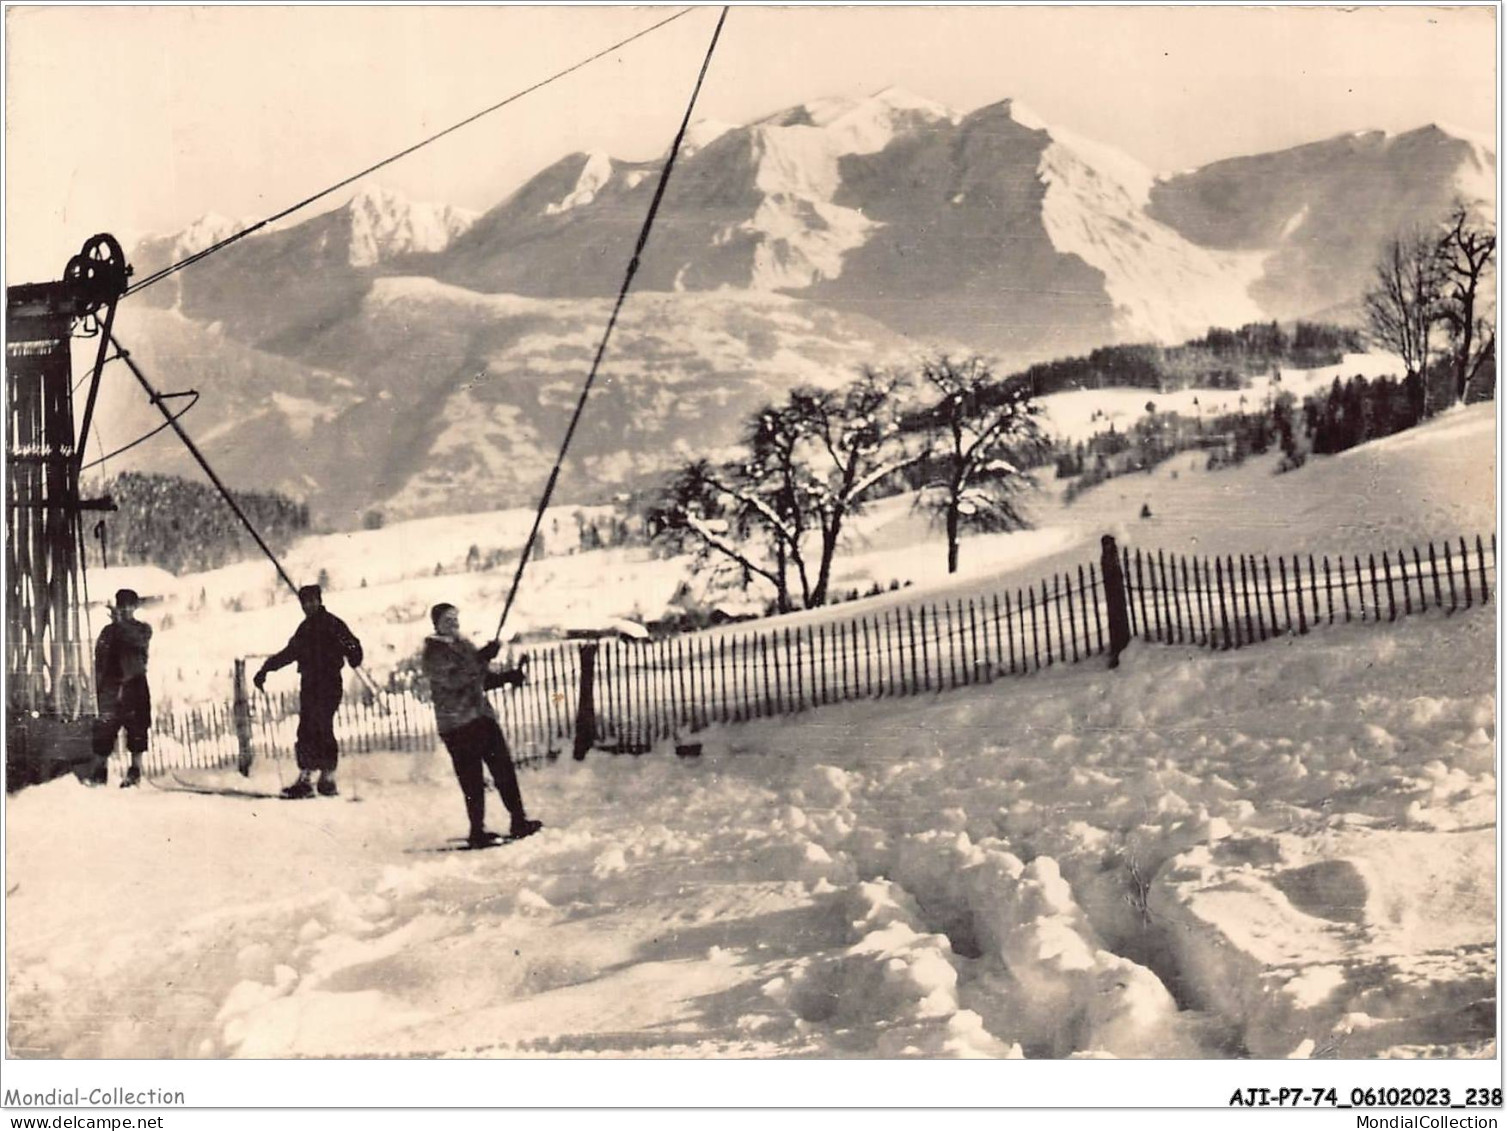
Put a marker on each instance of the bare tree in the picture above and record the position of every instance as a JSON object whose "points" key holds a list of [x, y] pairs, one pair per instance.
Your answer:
{"points": [[982, 436], [716, 513], [776, 497], [847, 444], [1465, 253], [812, 462], [1403, 306]]}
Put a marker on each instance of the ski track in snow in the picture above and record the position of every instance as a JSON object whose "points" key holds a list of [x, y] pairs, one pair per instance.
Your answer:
{"points": [[1150, 862]]}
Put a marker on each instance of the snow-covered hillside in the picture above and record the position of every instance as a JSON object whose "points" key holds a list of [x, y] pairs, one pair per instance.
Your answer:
{"points": [[1439, 479], [1078, 415], [428, 398], [1282, 851]]}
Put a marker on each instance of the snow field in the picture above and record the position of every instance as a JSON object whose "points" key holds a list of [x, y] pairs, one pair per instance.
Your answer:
{"points": [[1150, 862], [1079, 415], [1345, 823]]}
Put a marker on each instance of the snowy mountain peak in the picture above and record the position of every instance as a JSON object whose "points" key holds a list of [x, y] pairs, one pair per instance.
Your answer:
{"points": [[902, 99], [377, 197], [1107, 162], [1476, 139], [703, 132], [1159, 283], [817, 112], [883, 112], [870, 124], [802, 234], [154, 251], [1023, 115], [1475, 180], [595, 173], [206, 231], [823, 112], [385, 224]]}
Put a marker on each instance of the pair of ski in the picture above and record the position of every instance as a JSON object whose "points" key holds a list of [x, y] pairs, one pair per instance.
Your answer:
{"points": [[465, 844], [492, 840], [181, 786]]}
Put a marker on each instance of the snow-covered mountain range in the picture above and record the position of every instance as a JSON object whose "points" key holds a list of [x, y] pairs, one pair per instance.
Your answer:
{"points": [[789, 249]]}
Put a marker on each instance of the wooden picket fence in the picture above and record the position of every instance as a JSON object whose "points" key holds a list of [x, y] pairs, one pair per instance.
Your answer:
{"points": [[626, 696], [1233, 602], [649, 693]]}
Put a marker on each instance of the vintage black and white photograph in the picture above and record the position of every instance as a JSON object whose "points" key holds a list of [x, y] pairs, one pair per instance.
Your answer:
{"points": [[755, 533]]}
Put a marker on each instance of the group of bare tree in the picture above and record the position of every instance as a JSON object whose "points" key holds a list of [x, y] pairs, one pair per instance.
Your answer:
{"points": [[951, 428], [1433, 293]]}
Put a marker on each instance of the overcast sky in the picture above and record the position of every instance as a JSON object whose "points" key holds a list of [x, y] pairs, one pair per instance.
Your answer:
{"points": [[135, 120]]}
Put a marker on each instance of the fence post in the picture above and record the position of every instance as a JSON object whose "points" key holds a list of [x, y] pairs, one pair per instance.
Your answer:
{"points": [[1465, 573], [586, 710], [1114, 599], [241, 713], [1297, 580]]}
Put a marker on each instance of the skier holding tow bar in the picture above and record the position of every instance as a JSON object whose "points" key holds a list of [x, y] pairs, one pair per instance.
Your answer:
{"points": [[459, 676]]}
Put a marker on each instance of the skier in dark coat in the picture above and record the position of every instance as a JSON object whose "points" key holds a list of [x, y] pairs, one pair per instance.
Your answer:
{"points": [[319, 646], [459, 676], [120, 687]]}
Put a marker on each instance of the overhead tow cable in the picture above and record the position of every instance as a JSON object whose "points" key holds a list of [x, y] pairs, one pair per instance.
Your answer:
{"points": [[158, 276], [171, 421], [220, 245], [622, 294], [147, 436], [193, 450]]}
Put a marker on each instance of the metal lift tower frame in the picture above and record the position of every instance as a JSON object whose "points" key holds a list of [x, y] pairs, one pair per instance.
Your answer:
{"points": [[49, 686]]}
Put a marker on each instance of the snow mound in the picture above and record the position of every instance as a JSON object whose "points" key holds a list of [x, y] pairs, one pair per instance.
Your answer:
{"points": [[1350, 943]]}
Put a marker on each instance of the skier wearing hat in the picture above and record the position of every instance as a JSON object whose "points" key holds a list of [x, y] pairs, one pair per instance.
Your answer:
{"points": [[320, 645], [459, 677], [120, 688]]}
